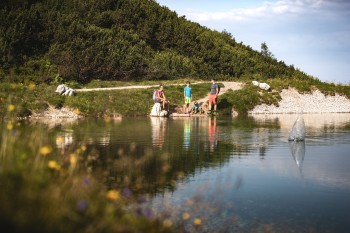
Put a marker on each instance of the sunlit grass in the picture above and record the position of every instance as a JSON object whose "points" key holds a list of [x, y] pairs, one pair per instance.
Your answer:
{"points": [[27, 99]]}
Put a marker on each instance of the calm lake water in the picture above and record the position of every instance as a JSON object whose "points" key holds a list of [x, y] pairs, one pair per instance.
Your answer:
{"points": [[235, 174]]}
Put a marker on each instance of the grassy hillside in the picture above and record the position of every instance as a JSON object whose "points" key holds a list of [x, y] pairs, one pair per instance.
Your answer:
{"points": [[83, 40]]}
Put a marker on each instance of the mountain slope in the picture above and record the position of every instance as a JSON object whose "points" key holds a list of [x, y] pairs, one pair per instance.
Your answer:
{"points": [[82, 40]]}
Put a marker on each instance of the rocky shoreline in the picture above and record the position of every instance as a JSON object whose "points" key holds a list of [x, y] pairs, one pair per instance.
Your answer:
{"points": [[315, 102], [55, 113]]}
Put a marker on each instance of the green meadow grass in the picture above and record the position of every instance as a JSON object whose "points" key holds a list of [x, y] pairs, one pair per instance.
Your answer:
{"points": [[127, 102]]}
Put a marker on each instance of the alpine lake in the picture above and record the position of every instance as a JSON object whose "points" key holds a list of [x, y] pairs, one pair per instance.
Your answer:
{"points": [[231, 174]]}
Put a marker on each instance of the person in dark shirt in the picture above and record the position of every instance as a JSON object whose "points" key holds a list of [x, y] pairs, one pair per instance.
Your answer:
{"points": [[213, 96]]}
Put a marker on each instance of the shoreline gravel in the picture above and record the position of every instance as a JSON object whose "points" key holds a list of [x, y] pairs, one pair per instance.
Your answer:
{"points": [[315, 102]]}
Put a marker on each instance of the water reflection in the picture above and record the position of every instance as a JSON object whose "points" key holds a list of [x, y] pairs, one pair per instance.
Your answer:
{"points": [[186, 161], [64, 139], [159, 125], [212, 134], [313, 122], [55, 122], [187, 133], [105, 139], [261, 137], [297, 148]]}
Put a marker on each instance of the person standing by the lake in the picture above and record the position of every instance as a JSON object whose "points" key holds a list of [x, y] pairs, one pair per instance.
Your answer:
{"points": [[213, 96], [187, 96]]}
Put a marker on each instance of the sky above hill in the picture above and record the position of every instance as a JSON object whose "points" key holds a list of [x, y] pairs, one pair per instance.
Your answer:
{"points": [[312, 35]]}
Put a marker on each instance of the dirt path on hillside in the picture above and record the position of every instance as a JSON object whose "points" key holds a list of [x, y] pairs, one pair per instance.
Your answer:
{"points": [[234, 86], [114, 88], [66, 113], [125, 87], [227, 86]]}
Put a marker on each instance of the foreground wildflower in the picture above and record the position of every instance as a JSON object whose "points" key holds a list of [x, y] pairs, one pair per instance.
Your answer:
{"points": [[45, 150], [11, 108], [113, 195], [197, 221], [31, 86], [186, 216], [127, 192], [82, 205], [9, 125], [59, 140], [167, 223], [83, 148], [73, 159], [53, 165], [86, 182]]}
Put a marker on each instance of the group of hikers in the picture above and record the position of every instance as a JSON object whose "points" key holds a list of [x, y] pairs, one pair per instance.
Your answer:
{"points": [[197, 107]]}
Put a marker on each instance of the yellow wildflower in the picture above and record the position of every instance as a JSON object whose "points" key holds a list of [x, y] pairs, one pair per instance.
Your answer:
{"points": [[31, 86], [113, 195], [167, 223], [73, 159], [186, 216], [83, 148], [11, 107], [9, 125], [197, 221], [45, 150], [59, 140], [53, 165]]}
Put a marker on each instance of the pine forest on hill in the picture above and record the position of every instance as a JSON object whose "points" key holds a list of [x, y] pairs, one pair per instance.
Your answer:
{"points": [[124, 40]]}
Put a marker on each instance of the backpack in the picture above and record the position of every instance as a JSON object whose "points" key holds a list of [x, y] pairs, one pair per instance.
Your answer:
{"points": [[154, 95]]}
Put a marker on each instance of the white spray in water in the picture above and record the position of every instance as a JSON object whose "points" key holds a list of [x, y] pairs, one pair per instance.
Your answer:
{"points": [[298, 131]]}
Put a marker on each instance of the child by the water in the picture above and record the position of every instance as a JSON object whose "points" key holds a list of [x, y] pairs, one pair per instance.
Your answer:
{"points": [[187, 96], [196, 108]]}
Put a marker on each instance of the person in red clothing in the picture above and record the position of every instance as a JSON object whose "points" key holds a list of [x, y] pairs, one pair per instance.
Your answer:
{"points": [[212, 134], [160, 98], [213, 96]]}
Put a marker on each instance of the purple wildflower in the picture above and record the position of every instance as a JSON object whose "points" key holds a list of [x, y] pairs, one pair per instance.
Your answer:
{"points": [[86, 182], [148, 213], [82, 205], [127, 192], [141, 200]]}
